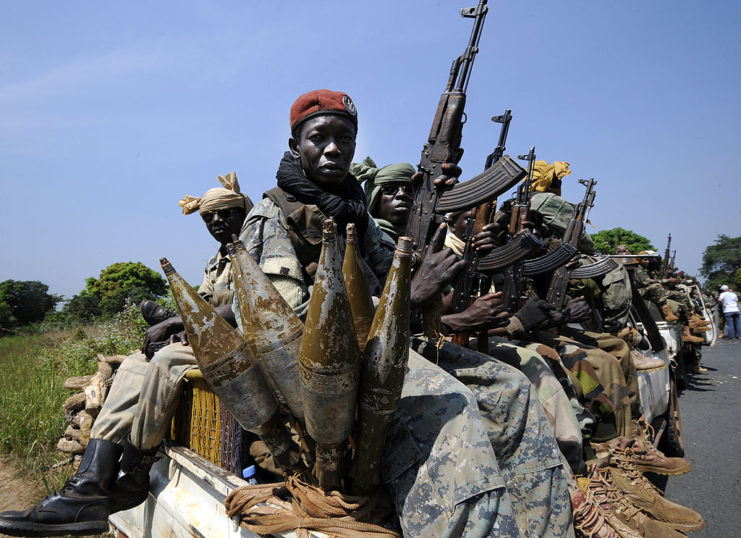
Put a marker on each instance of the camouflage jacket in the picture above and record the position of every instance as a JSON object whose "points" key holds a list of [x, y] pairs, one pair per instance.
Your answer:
{"points": [[265, 234], [217, 287]]}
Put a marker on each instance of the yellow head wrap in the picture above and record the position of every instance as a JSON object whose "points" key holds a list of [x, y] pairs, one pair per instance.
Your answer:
{"points": [[218, 198], [544, 174]]}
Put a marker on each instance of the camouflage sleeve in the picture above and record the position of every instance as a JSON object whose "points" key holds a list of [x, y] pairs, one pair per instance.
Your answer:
{"points": [[379, 256], [265, 236], [641, 278]]}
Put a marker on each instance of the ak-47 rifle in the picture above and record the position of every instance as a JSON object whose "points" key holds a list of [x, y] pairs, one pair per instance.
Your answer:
{"points": [[444, 146], [667, 255], [520, 208], [474, 282], [561, 276]]}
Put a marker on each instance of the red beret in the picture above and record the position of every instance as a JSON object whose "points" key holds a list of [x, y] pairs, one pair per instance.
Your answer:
{"points": [[318, 102]]}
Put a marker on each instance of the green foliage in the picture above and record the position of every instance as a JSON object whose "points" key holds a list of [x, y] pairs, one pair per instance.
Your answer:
{"points": [[24, 302], [31, 416], [607, 241], [82, 307], [117, 284], [737, 279], [721, 262]]}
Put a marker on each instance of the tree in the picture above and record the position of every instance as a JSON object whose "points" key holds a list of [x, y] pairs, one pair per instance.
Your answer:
{"points": [[24, 301], [606, 241], [82, 307], [721, 261], [120, 282]]}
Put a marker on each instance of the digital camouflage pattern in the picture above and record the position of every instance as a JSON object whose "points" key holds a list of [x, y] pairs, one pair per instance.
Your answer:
{"points": [[551, 394], [442, 461], [518, 429], [437, 428]]}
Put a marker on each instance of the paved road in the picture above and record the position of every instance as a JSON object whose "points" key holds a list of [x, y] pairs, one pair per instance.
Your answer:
{"points": [[711, 423]]}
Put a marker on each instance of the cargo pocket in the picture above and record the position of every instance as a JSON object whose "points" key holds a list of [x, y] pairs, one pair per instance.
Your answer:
{"points": [[452, 478], [400, 464]]}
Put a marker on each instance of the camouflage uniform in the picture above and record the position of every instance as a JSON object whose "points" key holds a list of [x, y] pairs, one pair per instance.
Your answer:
{"points": [[648, 287], [598, 371], [618, 348], [613, 294], [440, 463], [558, 406], [557, 213], [144, 394]]}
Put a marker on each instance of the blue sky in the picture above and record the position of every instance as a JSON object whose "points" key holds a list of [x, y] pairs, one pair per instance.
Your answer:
{"points": [[111, 112]]}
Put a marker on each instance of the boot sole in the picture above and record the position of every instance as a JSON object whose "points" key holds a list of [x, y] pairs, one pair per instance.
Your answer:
{"points": [[662, 470], [676, 525], [53, 529]]}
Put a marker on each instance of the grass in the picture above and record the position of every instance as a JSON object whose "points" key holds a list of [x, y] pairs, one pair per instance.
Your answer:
{"points": [[33, 369]]}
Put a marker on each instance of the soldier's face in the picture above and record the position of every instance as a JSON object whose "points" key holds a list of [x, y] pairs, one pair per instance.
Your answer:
{"points": [[459, 226], [395, 203], [325, 146], [224, 223]]}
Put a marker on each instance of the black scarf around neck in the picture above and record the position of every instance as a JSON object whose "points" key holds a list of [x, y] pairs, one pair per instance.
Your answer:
{"points": [[345, 204]]}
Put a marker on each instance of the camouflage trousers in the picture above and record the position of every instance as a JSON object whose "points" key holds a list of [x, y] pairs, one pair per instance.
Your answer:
{"points": [[618, 348], [519, 433], [143, 398], [601, 374], [655, 293], [438, 465], [558, 406]]}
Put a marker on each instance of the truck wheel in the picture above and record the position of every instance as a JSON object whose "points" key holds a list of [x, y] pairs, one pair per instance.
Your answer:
{"points": [[673, 441]]}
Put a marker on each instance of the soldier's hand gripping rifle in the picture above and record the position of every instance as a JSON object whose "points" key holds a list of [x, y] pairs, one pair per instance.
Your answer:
{"points": [[474, 282], [431, 201]]}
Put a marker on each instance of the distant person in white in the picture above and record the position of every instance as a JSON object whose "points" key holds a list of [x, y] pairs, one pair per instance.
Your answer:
{"points": [[729, 302]]}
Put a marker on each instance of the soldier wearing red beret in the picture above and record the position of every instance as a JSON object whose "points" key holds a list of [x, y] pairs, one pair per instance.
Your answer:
{"points": [[448, 469]]}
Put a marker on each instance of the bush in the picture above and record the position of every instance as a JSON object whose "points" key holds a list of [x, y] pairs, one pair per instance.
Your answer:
{"points": [[31, 416]]}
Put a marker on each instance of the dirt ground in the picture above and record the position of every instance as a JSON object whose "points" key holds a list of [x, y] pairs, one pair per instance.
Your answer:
{"points": [[16, 492]]}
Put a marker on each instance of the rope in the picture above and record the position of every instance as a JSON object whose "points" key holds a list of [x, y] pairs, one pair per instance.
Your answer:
{"points": [[333, 513]]}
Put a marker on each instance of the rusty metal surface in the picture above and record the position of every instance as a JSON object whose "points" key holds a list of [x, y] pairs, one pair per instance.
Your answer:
{"points": [[329, 354], [270, 326], [383, 369]]}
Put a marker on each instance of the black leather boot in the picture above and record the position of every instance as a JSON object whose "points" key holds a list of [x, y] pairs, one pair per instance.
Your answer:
{"points": [[154, 313], [132, 487], [81, 507]]}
